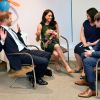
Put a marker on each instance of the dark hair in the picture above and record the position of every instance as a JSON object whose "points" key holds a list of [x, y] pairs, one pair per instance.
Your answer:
{"points": [[92, 12], [53, 22], [97, 16]]}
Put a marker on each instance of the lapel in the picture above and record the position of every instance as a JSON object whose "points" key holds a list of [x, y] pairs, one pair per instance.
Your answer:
{"points": [[19, 36]]}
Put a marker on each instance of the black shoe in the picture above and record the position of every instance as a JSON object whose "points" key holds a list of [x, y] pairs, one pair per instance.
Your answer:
{"points": [[41, 82], [48, 72], [31, 79], [77, 71], [82, 77]]}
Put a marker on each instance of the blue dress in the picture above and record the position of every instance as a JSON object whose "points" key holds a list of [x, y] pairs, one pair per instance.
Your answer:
{"points": [[91, 34]]}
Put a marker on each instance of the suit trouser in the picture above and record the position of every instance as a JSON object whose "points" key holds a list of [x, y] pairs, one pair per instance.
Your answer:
{"points": [[89, 64], [40, 58]]}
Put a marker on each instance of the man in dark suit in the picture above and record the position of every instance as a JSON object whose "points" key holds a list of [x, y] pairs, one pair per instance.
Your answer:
{"points": [[12, 42], [89, 61]]}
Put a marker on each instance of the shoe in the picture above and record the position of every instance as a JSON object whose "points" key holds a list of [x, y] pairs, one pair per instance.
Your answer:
{"points": [[71, 71], [81, 82], [78, 70], [31, 79], [41, 82], [21, 73], [87, 93], [48, 72], [82, 77]]}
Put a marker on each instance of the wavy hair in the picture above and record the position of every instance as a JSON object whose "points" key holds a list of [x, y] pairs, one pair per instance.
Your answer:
{"points": [[92, 12], [53, 22]]}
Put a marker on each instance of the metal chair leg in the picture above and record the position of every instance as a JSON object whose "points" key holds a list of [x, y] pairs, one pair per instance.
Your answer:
{"points": [[96, 82], [11, 84], [31, 64], [68, 57], [34, 77], [14, 81]]}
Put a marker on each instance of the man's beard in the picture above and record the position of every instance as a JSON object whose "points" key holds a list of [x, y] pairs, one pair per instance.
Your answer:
{"points": [[9, 24]]}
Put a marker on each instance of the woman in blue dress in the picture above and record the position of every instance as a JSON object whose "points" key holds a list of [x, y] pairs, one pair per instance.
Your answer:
{"points": [[89, 36]]}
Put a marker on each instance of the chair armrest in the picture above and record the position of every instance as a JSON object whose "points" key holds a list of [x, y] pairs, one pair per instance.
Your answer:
{"points": [[96, 69], [67, 44], [66, 41], [33, 46], [64, 38], [98, 61], [12, 54]]}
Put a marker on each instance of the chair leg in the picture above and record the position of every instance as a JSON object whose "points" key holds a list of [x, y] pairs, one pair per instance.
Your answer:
{"points": [[68, 56], [34, 77], [14, 81], [96, 82]]}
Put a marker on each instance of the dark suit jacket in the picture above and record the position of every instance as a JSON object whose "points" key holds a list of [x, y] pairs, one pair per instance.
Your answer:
{"points": [[1, 46], [10, 46]]}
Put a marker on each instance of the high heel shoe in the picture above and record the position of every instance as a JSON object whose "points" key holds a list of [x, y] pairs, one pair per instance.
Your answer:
{"points": [[82, 77], [71, 71]]}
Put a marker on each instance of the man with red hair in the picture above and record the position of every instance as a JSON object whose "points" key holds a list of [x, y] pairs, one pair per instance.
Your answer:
{"points": [[12, 42]]}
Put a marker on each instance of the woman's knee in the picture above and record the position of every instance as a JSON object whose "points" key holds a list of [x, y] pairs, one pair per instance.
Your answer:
{"points": [[57, 46], [89, 61], [79, 48], [55, 54]]}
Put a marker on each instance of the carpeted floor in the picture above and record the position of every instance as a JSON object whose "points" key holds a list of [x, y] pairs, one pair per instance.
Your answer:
{"points": [[61, 87]]}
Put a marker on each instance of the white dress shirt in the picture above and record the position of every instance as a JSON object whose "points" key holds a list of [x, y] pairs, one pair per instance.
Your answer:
{"points": [[20, 45]]}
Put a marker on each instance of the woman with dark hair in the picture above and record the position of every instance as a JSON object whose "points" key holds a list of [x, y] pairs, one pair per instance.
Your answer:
{"points": [[89, 37], [51, 44]]}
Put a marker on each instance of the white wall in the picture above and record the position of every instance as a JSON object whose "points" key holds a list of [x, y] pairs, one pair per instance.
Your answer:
{"points": [[30, 13], [79, 8]]}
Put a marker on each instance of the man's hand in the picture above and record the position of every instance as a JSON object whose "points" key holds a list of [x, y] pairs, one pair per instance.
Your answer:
{"points": [[18, 28], [3, 34], [88, 53]]}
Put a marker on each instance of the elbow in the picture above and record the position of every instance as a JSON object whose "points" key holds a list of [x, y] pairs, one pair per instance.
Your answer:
{"points": [[37, 34]]}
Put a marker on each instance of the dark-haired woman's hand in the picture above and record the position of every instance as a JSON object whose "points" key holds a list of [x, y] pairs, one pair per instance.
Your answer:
{"points": [[86, 44], [19, 30], [37, 38]]}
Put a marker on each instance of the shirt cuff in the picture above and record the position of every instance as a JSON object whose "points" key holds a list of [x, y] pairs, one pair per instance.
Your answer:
{"points": [[2, 42]]}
